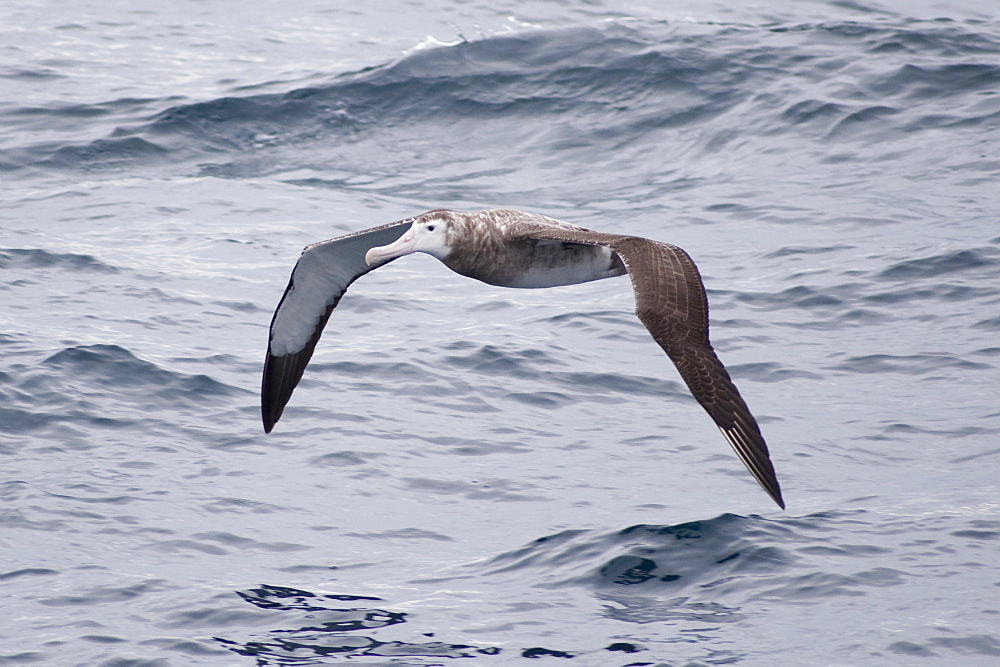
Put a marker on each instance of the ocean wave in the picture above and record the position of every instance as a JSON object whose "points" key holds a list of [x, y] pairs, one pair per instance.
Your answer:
{"points": [[677, 558], [97, 386], [584, 88], [39, 258], [115, 368]]}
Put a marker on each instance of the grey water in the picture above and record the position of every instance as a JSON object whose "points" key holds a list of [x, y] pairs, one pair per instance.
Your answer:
{"points": [[474, 475]]}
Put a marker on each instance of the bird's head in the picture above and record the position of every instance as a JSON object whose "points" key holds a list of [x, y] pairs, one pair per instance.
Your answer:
{"points": [[430, 233]]}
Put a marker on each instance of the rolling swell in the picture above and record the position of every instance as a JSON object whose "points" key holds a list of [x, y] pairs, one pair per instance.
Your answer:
{"points": [[96, 385], [607, 88]]}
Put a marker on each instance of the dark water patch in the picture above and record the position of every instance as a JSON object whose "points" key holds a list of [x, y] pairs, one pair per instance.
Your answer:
{"points": [[706, 571], [677, 558], [37, 258], [548, 400], [114, 368], [322, 627], [184, 546], [111, 154], [910, 649], [240, 506], [498, 490], [156, 294], [103, 639], [941, 265], [29, 74], [494, 360], [597, 321], [95, 495], [286, 599], [899, 431], [241, 306], [769, 372], [475, 447], [318, 626], [182, 646], [920, 83], [970, 645], [303, 645], [982, 535], [243, 543], [15, 421], [403, 534], [989, 453], [607, 383], [817, 114], [13, 490], [992, 324], [14, 518], [800, 296], [423, 381], [100, 595], [792, 251], [344, 458], [862, 317], [737, 324], [698, 553], [918, 364], [624, 647], [49, 116], [817, 585], [372, 374], [23, 658], [942, 37], [944, 292], [535, 366], [644, 609], [11, 339], [95, 389], [212, 616], [865, 123], [27, 572]]}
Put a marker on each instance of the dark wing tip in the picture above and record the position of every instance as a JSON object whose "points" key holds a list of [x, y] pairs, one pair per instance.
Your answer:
{"points": [[750, 447], [276, 388], [282, 374], [268, 415], [710, 384]]}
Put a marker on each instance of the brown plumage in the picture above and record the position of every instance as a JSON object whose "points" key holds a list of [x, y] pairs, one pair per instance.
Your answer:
{"points": [[515, 249]]}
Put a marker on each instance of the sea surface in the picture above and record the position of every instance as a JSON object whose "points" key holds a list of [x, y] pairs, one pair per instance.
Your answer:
{"points": [[471, 475]]}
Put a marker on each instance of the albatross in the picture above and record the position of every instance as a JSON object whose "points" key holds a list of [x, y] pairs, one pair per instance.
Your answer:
{"points": [[511, 248]]}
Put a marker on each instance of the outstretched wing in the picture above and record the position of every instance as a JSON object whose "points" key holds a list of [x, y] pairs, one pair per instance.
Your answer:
{"points": [[670, 300], [320, 277]]}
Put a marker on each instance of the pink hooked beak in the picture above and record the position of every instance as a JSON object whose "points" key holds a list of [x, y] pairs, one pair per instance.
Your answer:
{"points": [[401, 246]]}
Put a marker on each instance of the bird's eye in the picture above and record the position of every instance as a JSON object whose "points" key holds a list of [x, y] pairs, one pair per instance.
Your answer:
{"points": [[430, 228]]}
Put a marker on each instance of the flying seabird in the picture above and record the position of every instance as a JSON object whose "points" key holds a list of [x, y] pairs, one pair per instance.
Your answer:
{"points": [[515, 249]]}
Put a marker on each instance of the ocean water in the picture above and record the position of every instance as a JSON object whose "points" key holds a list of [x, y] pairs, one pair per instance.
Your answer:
{"points": [[474, 475]]}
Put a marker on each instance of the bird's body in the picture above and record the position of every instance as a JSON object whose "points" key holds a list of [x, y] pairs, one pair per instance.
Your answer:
{"points": [[525, 250], [507, 254]]}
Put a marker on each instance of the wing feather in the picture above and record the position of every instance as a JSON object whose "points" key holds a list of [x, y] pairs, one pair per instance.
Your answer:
{"points": [[670, 300], [319, 280]]}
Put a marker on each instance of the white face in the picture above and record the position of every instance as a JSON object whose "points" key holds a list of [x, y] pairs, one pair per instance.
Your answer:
{"points": [[431, 236]]}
